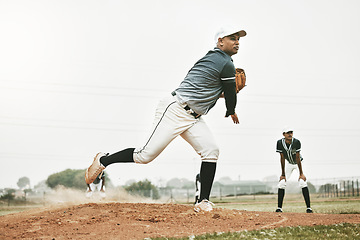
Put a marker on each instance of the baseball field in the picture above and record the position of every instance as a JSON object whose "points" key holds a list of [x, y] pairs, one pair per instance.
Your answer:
{"points": [[245, 217]]}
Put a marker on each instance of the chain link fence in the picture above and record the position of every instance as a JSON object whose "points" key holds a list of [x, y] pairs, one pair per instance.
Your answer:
{"points": [[324, 188]]}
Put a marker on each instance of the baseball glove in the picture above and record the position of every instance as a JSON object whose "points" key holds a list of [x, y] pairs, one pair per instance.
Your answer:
{"points": [[240, 79]]}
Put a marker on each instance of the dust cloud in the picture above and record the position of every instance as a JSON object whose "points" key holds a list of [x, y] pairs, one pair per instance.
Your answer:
{"points": [[68, 196]]}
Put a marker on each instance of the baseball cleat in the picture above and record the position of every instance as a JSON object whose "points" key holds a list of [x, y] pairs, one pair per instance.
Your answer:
{"points": [[89, 194], [309, 210], [95, 169], [278, 210], [205, 205], [102, 194]]}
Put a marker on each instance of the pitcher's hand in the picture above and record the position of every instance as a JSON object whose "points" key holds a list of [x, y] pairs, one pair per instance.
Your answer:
{"points": [[235, 119]]}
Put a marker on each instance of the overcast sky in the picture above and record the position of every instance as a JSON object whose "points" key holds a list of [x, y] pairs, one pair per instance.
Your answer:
{"points": [[82, 76]]}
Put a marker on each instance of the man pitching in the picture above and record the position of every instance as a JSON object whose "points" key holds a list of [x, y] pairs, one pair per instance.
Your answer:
{"points": [[289, 149], [180, 114]]}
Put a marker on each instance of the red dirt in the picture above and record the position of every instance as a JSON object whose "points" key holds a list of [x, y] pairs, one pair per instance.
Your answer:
{"points": [[143, 220]]}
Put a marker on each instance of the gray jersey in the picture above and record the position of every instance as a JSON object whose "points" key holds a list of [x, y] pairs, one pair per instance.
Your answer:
{"points": [[202, 85]]}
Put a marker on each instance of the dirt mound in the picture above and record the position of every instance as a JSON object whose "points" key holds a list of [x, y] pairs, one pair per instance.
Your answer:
{"points": [[142, 220]]}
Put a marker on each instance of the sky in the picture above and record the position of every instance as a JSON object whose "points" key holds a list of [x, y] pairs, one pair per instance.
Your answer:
{"points": [[79, 77]]}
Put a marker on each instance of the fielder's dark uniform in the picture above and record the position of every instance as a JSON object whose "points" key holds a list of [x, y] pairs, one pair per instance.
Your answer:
{"points": [[289, 150]]}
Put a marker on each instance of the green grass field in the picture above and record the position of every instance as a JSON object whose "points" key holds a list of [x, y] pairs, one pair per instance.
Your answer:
{"points": [[292, 203], [5, 209], [339, 231]]}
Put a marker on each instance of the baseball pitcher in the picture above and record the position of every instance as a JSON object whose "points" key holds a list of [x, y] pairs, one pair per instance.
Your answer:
{"points": [[180, 114]]}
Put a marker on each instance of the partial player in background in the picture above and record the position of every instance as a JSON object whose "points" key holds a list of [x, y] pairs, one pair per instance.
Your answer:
{"points": [[197, 188], [180, 114], [289, 149], [97, 186]]}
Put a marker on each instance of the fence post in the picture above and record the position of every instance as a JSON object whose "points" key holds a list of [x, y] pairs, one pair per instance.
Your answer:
{"points": [[188, 197], [327, 190], [220, 193], [340, 188], [337, 190]]}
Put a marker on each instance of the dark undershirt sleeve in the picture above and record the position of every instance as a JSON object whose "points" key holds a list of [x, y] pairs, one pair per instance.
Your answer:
{"points": [[230, 97], [229, 87]]}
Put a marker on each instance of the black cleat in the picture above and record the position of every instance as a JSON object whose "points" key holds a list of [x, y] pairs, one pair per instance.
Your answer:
{"points": [[278, 210], [309, 210]]}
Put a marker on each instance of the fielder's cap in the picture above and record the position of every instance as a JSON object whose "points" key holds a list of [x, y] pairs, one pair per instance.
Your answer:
{"points": [[227, 31], [287, 129]]}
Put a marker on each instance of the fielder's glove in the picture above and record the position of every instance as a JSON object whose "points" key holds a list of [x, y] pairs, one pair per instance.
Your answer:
{"points": [[240, 79]]}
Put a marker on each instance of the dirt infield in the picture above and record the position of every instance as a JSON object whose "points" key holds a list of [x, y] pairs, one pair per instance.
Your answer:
{"points": [[143, 220]]}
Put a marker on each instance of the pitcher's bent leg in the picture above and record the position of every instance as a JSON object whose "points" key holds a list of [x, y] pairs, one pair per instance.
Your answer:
{"points": [[201, 139]]}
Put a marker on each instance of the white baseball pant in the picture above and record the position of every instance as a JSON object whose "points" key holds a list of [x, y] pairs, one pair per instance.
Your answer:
{"points": [[96, 187], [289, 168], [172, 120]]}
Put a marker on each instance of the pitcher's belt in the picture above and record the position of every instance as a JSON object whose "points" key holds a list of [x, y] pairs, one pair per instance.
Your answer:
{"points": [[188, 109]]}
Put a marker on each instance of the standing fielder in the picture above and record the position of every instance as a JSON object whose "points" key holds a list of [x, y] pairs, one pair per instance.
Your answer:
{"points": [[180, 114], [289, 149], [97, 185]]}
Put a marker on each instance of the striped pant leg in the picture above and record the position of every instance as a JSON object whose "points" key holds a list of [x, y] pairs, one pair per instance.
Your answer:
{"points": [[170, 121]]}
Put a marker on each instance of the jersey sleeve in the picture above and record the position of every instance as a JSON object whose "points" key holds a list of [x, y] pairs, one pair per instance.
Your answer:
{"points": [[297, 145], [228, 72], [279, 146]]}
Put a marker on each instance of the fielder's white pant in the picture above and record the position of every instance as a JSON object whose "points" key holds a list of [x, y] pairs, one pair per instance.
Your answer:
{"points": [[289, 168], [96, 187], [172, 120]]}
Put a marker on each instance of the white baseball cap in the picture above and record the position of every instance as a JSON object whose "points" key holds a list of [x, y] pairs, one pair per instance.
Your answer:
{"points": [[287, 129], [228, 30]]}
